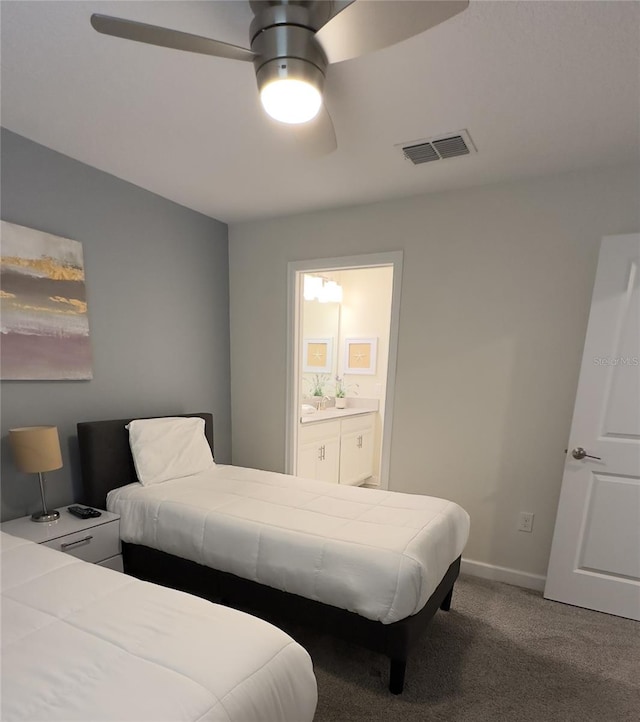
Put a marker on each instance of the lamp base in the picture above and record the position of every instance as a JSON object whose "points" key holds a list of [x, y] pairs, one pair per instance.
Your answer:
{"points": [[46, 516]]}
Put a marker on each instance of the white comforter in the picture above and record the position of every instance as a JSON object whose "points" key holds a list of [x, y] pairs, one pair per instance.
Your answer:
{"points": [[80, 642], [380, 554]]}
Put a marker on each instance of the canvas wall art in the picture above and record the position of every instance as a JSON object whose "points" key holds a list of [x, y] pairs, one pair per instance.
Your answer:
{"points": [[44, 321]]}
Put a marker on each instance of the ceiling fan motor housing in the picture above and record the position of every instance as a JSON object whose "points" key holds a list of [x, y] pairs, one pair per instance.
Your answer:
{"points": [[283, 38]]}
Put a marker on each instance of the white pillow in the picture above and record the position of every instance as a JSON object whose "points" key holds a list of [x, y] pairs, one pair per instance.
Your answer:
{"points": [[168, 448]]}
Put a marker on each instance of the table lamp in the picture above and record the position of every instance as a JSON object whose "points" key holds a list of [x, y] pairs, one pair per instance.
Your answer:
{"points": [[36, 449]]}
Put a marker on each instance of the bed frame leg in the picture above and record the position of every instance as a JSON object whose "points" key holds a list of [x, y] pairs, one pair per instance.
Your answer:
{"points": [[396, 676], [446, 602]]}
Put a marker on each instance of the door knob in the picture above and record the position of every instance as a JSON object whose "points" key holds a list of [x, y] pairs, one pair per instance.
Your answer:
{"points": [[580, 453]]}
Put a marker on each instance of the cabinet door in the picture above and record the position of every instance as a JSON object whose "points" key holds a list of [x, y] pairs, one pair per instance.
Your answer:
{"points": [[328, 468], [366, 454], [319, 451], [356, 456], [308, 457]]}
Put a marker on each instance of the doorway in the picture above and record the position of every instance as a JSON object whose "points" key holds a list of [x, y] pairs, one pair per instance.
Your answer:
{"points": [[343, 317]]}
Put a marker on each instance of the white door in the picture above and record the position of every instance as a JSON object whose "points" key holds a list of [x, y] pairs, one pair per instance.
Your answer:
{"points": [[595, 556]]}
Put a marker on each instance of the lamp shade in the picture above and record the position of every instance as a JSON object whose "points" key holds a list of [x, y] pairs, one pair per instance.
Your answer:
{"points": [[36, 448]]}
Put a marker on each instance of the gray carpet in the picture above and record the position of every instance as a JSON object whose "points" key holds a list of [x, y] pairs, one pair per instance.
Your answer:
{"points": [[501, 653]]}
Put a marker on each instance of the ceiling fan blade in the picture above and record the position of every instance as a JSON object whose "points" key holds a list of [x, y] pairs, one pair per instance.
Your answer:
{"points": [[166, 38], [318, 136], [367, 25]]}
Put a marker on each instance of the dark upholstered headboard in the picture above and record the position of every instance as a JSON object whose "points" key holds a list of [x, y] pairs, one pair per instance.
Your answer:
{"points": [[105, 456]]}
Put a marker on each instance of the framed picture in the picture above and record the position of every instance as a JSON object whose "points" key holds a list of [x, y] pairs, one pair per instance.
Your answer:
{"points": [[43, 299], [317, 355], [360, 355]]}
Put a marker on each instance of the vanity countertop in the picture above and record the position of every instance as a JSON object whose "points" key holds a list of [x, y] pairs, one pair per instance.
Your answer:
{"points": [[363, 407]]}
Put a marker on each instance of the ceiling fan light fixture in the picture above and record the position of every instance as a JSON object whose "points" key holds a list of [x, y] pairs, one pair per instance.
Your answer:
{"points": [[291, 101], [292, 44], [290, 90]]}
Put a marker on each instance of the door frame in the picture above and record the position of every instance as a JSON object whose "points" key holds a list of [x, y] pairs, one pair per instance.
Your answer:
{"points": [[295, 270]]}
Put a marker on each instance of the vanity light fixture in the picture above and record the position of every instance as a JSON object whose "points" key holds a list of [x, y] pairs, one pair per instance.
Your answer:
{"points": [[312, 287], [331, 292], [320, 289]]}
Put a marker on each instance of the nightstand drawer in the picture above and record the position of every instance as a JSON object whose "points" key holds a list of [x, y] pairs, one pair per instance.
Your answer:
{"points": [[94, 544]]}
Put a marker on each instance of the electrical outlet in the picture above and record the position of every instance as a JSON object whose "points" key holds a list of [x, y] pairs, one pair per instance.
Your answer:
{"points": [[526, 521]]}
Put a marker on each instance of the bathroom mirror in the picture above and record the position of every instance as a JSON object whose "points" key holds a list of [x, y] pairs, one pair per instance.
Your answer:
{"points": [[320, 334]]}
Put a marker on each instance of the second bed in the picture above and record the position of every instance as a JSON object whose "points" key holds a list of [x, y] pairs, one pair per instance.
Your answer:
{"points": [[385, 560]]}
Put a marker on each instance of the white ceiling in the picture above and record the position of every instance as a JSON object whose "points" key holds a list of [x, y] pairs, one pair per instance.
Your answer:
{"points": [[542, 87]]}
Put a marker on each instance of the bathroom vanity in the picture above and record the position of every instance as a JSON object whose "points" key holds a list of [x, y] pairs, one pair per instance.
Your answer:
{"points": [[337, 445]]}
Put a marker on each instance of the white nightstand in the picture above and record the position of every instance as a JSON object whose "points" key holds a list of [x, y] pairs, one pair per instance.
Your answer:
{"points": [[94, 540]]}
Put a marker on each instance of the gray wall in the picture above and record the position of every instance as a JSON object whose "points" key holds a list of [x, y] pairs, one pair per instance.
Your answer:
{"points": [[157, 286], [495, 299]]}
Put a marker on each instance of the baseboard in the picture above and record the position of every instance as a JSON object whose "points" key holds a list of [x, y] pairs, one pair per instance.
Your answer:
{"points": [[503, 574]]}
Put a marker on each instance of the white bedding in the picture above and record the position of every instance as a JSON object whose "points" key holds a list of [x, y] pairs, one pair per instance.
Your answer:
{"points": [[380, 554], [81, 642]]}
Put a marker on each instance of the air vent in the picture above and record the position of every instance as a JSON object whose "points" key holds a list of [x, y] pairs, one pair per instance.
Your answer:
{"points": [[451, 147], [421, 153], [438, 148]]}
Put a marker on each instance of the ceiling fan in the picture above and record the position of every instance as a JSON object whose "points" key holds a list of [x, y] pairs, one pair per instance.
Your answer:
{"points": [[292, 44]]}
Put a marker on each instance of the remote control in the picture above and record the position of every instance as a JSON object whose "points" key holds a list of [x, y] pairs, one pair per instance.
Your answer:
{"points": [[84, 512]]}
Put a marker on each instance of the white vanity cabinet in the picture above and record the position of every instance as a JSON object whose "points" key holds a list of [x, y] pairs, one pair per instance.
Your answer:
{"points": [[319, 451], [339, 451]]}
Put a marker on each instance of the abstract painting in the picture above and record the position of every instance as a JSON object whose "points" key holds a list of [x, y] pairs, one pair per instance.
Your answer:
{"points": [[44, 322]]}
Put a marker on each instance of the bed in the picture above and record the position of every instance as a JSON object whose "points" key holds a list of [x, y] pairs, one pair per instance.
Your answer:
{"points": [[82, 642], [367, 565]]}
